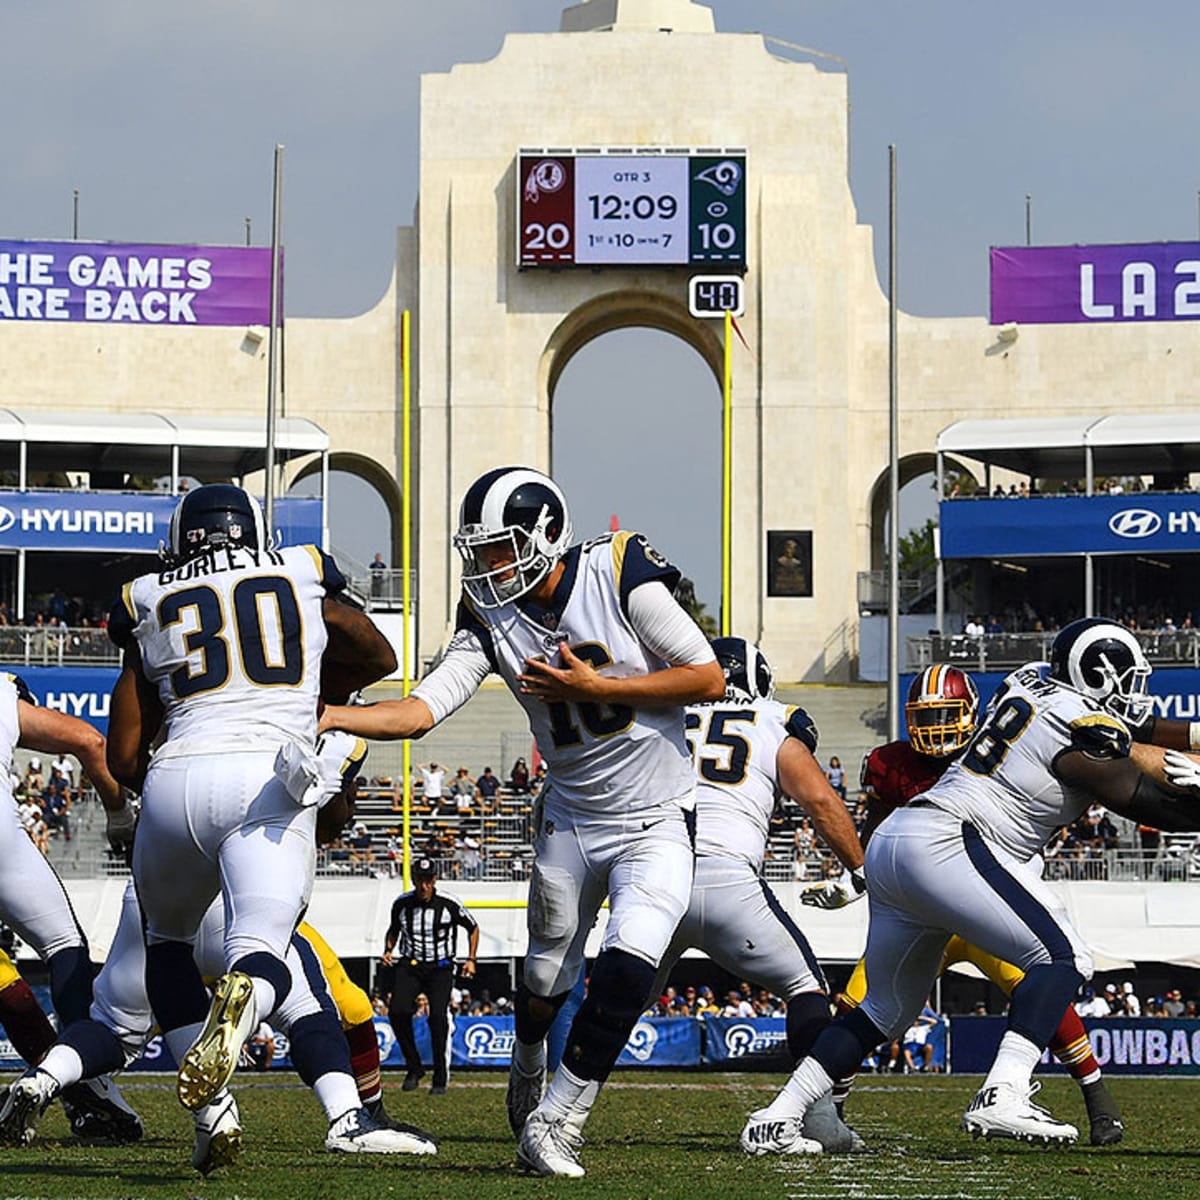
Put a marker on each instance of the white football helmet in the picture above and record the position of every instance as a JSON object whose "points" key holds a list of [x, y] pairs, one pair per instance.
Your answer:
{"points": [[748, 675], [1105, 662], [513, 526]]}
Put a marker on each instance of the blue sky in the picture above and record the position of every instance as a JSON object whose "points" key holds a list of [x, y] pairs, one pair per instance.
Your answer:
{"points": [[165, 117]]}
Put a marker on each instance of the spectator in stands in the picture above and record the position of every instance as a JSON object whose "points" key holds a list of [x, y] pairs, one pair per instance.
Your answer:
{"points": [[360, 844], [1131, 1006], [915, 1045], [65, 766], [518, 779], [737, 1005], [260, 1049], [974, 627], [836, 776], [1191, 1009], [431, 783], [469, 858], [706, 1005], [539, 779], [462, 791], [56, 805], [1173, 1004], [35, 781], [1149, 839], [994, 624], [1114, 1000], [1091, 1005], [486, 787]]}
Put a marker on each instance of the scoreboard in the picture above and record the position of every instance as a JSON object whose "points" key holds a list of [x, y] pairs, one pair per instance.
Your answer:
{"points": [[622, 209]]}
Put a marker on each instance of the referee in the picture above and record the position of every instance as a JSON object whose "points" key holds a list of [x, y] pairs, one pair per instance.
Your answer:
{"points": [[423, 933]]}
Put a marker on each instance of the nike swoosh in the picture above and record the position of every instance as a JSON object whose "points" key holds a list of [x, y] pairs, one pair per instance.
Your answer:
{"points": [[651, 824]]}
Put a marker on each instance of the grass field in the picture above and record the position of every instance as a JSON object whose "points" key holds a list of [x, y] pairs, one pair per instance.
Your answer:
{"points": [[652, 1135]]}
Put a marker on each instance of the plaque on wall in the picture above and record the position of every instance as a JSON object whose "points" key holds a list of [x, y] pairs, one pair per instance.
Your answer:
{"points": [[789, 562]]}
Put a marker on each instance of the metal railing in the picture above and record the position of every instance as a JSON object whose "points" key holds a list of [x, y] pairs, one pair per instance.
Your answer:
{"points": [[1004, 651], [56, 646]]}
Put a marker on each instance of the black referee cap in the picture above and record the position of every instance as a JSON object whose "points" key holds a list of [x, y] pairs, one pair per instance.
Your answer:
{"points": [[424, 868]]}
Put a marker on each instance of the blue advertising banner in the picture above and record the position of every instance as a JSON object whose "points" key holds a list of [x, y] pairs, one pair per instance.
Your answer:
{"points": [[77, 691], [663, 1042], [1162, 522], [735, 1037], [122, 522], [1122, 1045], [1174, 691]]}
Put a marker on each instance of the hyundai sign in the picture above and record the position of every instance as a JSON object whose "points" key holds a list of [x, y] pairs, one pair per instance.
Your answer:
{"points": [[1165, 523], [1050, 285], [121, 522]]}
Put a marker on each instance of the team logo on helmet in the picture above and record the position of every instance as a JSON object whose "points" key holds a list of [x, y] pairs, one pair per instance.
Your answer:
{"points": [[1105, 662]]}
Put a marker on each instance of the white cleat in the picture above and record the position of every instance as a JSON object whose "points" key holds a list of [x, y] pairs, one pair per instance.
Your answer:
{"points": [[1004, 1110], [525, 1093], [24, 1105], [548, 1147], [357, 1132], [776, 1135], [212, 1058], [218, 1135]]}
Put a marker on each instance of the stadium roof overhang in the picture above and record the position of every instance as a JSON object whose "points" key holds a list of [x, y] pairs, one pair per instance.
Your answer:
{"points": [[208, 448], [1056, 447]]}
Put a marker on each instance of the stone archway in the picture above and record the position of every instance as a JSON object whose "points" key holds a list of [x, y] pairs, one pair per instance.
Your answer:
{"points": [[370, 472]]}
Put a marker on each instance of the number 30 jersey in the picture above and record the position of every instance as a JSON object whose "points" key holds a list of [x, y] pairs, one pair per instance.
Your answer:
{"points": [[734, 748], [1004, 783], [602, 757], [232, 640]]}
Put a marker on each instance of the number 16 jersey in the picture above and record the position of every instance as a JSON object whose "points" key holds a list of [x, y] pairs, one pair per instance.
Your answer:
{"points": [[232, 640]]}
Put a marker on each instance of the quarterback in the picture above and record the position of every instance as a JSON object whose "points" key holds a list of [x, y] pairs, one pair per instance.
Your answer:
{"points": [[592, 643]]}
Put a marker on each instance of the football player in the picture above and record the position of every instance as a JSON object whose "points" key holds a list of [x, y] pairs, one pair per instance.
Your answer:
{"points": [[344, 1077], [592, 643], [940, 715], [1055, 738], [33, 900], [225, 649], [747, 750]]}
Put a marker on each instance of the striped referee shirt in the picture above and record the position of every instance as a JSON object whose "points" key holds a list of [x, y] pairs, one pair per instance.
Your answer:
{"points": [[425, 934]]}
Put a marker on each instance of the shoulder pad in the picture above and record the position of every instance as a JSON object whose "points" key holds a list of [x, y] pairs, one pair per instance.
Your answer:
{"points": [[802, 727], [122, 618], [635, 561], [23, 692], [1100, 735], [328, 573]]}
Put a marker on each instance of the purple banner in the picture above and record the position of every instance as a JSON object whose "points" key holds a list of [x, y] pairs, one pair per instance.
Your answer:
{"points": [[120, 284], [1053, 285]]}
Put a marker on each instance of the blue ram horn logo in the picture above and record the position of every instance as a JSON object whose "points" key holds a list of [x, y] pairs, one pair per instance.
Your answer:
{"points": [[483, 1041], [642, 1041], [1135, 523], [725, 176]]}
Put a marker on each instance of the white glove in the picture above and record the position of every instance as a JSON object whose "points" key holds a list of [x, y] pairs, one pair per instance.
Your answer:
{"points": [[119, 827], [1181, 770], [836, 893]]}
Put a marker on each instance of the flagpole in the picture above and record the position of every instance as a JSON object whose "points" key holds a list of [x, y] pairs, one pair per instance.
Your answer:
{"points": [[406, 570], [727, 480], [273, 342], [893, 707]]}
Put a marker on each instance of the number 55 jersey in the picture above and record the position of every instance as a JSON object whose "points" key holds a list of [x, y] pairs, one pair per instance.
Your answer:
{"points": [[1004, 784], [232, 640]]}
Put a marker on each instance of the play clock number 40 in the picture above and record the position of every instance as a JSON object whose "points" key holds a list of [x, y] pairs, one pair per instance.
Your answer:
{"points": [[715, 295]]}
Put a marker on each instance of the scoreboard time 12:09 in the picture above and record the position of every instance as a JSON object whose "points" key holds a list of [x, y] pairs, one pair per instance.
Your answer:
{"points": [[632, 210]]}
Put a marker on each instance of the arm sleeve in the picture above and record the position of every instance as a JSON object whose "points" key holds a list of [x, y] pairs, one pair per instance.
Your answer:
{"points": [[665, 628], [456, 678]]}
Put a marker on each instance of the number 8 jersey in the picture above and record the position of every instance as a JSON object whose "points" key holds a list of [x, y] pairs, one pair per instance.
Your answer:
{"points": [[1004, 784], [232, 639]]}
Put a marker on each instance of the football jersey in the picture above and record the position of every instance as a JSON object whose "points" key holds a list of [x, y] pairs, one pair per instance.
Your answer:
{"points": [[12, 689], [601, 757], [1004, 783], [895, 773], [734, 749], [232, 641]]}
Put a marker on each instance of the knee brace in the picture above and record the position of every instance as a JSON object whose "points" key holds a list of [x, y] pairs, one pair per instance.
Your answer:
{"points": [[807, 1015], [616, 997]]}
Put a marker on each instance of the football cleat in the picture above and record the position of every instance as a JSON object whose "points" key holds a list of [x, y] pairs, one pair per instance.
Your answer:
{"points": [[822, 1123], [1004, 1110], [1106, 1130], [357, 1132], [385, 1120], [765, 1134], [525, 1093], [24, 1105], [213, 1057], [547, 1147], [98, 1112], [218, 1135]]}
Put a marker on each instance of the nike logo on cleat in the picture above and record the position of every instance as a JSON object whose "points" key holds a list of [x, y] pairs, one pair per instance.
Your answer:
{"points": [[983, 1099], [768, 1131]]}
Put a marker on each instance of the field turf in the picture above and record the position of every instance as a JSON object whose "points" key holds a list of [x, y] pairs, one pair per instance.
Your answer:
{"points": [[653, 1135]]}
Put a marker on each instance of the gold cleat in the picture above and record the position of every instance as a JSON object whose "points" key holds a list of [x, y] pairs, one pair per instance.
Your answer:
{"points": [[210, 1062]]}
